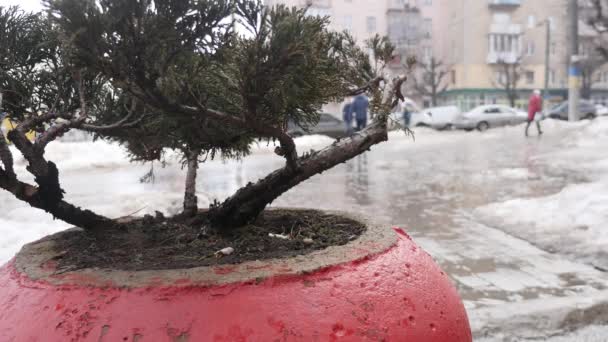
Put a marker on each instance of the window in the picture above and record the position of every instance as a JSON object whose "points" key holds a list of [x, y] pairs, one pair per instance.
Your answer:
{"points": [[530, 77], [553, 48], [530, 49], [347, 22], [428, 27], [318, 12], [552, 23], [552, 76], [505, 43], [428, 2], [427, 53], [453, 76], [371, 24], [531, 21], [500, 77]]}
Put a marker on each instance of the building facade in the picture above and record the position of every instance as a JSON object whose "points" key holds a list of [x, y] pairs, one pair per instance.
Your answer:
{"points": [[474, 39], [407, 23], [481, 36]]}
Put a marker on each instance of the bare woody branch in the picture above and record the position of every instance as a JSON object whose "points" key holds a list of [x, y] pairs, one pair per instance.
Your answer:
{"points": [[122, 124], [374, 83], [246, 203], [6, 157], [36, 197], [36, 120]]}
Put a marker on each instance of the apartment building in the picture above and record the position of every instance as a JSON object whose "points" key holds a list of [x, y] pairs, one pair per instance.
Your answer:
{"points": [[480, 35], [409, 24]]}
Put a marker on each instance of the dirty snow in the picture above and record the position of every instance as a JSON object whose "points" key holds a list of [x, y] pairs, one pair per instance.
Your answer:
{"points": [[575, 220], [592, 333]]}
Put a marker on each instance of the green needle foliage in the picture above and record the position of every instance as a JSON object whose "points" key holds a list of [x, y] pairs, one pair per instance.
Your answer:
{"points": [[204, 78]]}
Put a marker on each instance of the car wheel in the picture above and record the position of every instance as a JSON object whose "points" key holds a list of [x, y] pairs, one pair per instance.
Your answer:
{"points": [[445, 128], [468, 129], [483, 126], [589, 116]]}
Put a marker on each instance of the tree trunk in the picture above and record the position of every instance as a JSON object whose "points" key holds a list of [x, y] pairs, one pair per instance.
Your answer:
{"points": [[248, 202], [6, 157], [190, 199], [48, 196], [39, 197], [434, 94], [586, 85], [512, 99]]}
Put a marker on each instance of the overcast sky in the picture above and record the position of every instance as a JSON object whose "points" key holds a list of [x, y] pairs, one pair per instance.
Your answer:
{"points": [[30, 5]]}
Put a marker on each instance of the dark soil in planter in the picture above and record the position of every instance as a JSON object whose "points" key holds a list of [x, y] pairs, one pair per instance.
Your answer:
{"points": [[157, 243]]}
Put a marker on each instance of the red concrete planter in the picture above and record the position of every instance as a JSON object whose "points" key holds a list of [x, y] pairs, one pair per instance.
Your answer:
{"points": [[381, 287]]}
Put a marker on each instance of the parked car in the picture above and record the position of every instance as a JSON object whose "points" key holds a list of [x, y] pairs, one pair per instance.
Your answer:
{"points": [[586, 110], [439, 118], [488, 116], [328, 125], [601, 110], [443, 117]]}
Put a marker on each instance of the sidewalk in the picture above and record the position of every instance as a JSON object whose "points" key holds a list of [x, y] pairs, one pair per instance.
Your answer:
{"points": [[514, 289]]}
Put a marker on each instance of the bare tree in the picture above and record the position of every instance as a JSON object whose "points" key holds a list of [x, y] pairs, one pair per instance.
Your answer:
{"points": [[431, 81], [597, 18], [589, 67], [508, 76]]}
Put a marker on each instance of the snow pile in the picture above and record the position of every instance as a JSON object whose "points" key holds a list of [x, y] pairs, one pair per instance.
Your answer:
{"points": [[593, 333], [575, 220]]}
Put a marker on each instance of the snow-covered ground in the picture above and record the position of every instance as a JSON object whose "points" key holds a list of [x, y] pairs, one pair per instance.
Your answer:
{"points": [[575, 220]]}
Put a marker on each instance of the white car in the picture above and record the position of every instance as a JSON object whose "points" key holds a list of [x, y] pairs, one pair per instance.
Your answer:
{"points": [[439, 118], [442, 118], [601, 110], [488, 116]]}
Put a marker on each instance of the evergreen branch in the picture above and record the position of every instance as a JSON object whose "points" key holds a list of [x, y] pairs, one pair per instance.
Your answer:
{"points": [[374, 83]]}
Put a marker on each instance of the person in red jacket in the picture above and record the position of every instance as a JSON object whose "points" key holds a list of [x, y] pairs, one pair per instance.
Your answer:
{"points": [[535, 107]]}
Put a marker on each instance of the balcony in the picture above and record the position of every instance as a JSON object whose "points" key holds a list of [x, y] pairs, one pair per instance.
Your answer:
{"points": [[504, 3], [505, 28], [510, 57]]}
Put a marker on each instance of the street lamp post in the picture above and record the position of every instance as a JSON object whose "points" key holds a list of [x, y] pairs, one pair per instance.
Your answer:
{"points": [[574, 73], [547, 58]]}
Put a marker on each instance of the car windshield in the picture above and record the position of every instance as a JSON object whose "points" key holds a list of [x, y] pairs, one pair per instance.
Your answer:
{"points": [[559, 107]]}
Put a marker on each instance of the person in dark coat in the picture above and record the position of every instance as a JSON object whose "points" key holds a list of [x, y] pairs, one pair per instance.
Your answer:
{"points": [[407, 116], [360, 107], [535, 107], [347, 116]]}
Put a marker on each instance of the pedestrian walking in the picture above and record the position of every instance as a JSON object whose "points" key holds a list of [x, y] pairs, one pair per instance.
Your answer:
{"points": [[535, 107], [360, 107], [347, 116], [407, 115]]}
